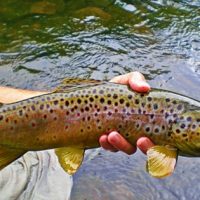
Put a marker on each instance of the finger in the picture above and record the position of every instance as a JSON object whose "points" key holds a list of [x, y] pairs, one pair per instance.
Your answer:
{"points": [[135, 79], [122, 79], [105, 144], [116, 140], [138, 83], [144, 144]]}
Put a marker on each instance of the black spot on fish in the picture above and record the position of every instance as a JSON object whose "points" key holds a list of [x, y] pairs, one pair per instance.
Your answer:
{"points": [[67, 103], [33, 107], [182, 125], [143, 104], [91, 99], [41, 106], [130, 96], [179, 107], [167, 99], [178, 131], [163, 127], [171, 110], [184, 135], [115, 96], [1, 117], [119, 126], [189, 119], [156, 130], [127, 104], [127, 134], [108, 95], [121, 101], [116, 103], [193, 126], [137, 101], [102, 100], [87, 108], [55, 102], [166, 115], [101, 91], [109, 102], [151, 116], [149, 98], [20, 113], [94, 91], [147, 129], [155, 106]]}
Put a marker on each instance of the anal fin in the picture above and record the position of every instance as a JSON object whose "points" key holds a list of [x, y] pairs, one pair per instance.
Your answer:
{"points": [[9, 155], [70, 158], [161, 161]]}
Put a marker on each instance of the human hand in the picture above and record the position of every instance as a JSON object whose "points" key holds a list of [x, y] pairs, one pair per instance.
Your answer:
{"points": [[114, 141]]}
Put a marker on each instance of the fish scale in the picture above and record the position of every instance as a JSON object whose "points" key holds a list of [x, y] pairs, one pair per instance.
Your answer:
{"points": [[77, 114]]}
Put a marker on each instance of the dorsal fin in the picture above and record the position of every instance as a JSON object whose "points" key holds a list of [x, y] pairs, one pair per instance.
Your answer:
{"points": [[70, 83]]}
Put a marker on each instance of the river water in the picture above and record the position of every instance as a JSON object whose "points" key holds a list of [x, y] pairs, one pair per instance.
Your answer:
{"points": [[43, 41]]}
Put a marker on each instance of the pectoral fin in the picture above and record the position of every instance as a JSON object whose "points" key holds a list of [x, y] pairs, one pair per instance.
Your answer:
{"points": [[70, 158], [9, 155], [161, 161]]}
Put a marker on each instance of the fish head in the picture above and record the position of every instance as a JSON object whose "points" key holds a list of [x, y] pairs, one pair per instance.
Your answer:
{"points": [[186, 133]]}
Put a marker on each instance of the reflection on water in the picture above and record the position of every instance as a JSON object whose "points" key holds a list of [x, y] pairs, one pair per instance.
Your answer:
{"points": [[42, 41]]}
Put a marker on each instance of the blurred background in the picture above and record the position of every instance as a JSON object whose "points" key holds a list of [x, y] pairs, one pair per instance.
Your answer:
{"points": [[43, 41]]}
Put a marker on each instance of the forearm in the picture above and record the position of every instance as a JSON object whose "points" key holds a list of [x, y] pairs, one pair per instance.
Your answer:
{"points": [[10, 95]]}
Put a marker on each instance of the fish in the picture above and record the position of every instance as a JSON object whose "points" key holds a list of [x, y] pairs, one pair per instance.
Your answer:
{"points": [[73, 117]]}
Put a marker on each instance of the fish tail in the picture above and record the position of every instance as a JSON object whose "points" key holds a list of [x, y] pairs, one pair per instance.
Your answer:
{"points": [[9, 155]]}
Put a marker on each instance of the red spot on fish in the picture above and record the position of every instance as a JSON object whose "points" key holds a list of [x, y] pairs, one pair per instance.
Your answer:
{"points": [[45, 116], [33, 124], [78, 114], [15, 121], [1, 117], [66, 127], [7, 120]]}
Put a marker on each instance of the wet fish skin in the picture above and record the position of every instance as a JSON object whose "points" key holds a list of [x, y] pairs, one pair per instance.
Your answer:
{"points": [[77, 116]]}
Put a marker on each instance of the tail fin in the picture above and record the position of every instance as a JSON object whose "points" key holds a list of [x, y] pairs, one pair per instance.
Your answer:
{"points": [[9, 155]]}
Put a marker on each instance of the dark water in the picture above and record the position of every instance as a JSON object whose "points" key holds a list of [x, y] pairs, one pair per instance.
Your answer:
{"points": [[42, 41]]}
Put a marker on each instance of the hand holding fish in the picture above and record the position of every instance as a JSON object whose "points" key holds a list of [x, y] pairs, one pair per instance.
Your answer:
{"points": [[114, 141]]}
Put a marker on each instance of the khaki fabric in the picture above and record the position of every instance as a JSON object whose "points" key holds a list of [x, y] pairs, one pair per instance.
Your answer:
{"points": [[35, 176]]}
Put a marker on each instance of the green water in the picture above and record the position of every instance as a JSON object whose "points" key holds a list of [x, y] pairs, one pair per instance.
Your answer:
{"points": [[43, 41]]}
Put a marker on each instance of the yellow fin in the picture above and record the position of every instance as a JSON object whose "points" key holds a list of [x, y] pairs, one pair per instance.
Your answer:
{"points": [[9, 155], [70, 158], [161, 160], [70, 83]]}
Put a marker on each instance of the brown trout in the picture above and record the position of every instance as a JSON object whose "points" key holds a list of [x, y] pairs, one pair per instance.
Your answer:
{"points": [[73, 117]]}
